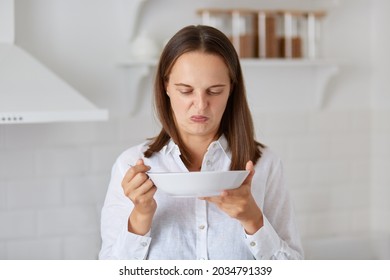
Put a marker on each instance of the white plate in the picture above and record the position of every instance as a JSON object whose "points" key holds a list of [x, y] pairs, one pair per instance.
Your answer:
{"points": [[198, 184]]}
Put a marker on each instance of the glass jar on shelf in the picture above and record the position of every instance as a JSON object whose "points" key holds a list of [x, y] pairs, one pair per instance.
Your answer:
{"points": [[289, 33], [240, 26], [245, 33], [218, 18], [313, 21], [267, 40], [269, 33]]}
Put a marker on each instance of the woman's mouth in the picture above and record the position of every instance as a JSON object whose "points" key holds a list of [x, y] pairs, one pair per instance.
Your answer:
{"points": [[199, 118]]}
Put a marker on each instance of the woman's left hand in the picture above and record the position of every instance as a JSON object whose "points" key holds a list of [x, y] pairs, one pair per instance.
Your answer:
{"points": [[240, 204]]}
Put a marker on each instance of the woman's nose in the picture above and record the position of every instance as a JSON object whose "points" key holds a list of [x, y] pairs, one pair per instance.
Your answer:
{"points": [[201, 100]]}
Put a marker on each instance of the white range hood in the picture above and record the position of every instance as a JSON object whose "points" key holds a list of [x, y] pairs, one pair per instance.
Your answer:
{"points": [[29, 91]]}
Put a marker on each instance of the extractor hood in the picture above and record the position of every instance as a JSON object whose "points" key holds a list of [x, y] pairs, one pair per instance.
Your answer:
{"points": [[29, 91]]}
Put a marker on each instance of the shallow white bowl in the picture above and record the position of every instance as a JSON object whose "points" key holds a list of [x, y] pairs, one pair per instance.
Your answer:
{"points": [[198, 184]]}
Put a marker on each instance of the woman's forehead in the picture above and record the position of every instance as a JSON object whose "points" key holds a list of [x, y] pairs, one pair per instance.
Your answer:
{"points": [[200, 65]]}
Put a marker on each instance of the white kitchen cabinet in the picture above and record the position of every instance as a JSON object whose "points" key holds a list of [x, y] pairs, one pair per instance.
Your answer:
{"points": [[304, 78], [30, 92]]}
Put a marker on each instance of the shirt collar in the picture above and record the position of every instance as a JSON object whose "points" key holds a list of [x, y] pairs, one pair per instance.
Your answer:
{"points": [[221, 143], [168, 148]]}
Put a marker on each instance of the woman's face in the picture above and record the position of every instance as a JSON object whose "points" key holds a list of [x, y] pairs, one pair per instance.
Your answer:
{"points": [[198, 88]]}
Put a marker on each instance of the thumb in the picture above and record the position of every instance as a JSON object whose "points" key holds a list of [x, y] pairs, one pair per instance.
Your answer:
{"points": [[249, 166], [141, 162], [247, 181]]}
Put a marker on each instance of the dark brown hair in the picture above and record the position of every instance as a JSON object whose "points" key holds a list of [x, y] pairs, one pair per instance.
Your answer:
{"points": [[236, 123]]}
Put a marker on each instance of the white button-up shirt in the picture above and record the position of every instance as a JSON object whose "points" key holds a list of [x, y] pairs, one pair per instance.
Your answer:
{"points": [[190, 228]]}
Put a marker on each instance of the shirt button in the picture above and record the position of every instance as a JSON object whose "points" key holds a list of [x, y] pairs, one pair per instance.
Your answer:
{"points": [[144, 244], [252, 243], [208, 162], [201, 227]]}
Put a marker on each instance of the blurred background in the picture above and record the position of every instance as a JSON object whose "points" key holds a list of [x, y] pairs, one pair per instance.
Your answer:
{"points": [[327, 117]]}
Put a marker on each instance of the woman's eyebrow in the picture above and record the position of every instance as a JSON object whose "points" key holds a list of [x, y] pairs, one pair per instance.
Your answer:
{"points": [[182, 85], [185, 85], [218, 85]]}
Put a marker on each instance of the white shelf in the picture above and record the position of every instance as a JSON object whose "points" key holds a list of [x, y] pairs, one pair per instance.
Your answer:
{"points": [[302, 82], [282, 4]]}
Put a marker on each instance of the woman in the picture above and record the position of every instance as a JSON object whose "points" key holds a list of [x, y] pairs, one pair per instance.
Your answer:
{"points": [[206, 126]]}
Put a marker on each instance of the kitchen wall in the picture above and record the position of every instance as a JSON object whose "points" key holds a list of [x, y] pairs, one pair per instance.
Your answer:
{"points": [[380, 150], [53, 177]]}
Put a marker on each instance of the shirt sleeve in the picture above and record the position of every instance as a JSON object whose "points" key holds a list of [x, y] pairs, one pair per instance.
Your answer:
{"points": [[130, 246], [279, 237], [266, 244], [117, 242]]}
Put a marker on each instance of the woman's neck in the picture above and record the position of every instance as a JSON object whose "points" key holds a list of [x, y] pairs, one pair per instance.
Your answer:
{"points": [[197, 146]]}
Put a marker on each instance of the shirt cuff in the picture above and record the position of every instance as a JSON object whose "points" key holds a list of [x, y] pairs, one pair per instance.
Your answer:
{"points": [[265, 243], [132, 246]]}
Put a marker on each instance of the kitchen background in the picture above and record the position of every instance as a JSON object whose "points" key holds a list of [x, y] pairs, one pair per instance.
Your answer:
{"points": [[335, 145]]}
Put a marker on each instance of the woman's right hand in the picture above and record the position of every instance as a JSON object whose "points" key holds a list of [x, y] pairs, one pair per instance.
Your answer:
{"points": [[140, 190]]}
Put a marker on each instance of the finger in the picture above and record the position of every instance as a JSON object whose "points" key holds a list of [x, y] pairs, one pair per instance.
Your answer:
{"points": [[135, 182], [226, 205], [212, 199], [140, 167], [225, 193], [142, 189], [150, 193], [140, 178], [245, 186], [248, 181], [231, 195]]}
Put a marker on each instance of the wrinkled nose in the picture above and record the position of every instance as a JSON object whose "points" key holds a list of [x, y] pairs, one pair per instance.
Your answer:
{"points": [[201, 101]]}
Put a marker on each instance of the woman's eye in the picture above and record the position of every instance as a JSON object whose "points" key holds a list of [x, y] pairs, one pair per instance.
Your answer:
{"points": [[185, 91], [211, 92]]}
